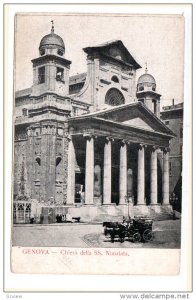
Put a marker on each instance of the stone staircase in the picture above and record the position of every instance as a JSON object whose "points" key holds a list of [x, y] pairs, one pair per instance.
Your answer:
{"points": [[116, 214]]}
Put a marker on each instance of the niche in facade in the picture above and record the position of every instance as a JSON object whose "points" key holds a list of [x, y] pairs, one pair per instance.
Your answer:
{"points": [[38, 160], [58, 160]]}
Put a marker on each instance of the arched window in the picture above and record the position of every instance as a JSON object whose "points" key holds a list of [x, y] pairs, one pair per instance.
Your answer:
{"points": [[60, 74], [41, 75], [114, 97], [141, 88], [42, 52], [60, 52], [115, 79]]}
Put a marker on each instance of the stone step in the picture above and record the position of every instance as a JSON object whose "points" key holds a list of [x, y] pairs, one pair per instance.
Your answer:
{"points": [[116, 213]]}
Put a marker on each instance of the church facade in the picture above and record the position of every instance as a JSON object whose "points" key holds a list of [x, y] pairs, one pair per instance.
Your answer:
{"points": [[91, 144]]}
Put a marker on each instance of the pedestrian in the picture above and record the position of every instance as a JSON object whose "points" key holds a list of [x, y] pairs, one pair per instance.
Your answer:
{"points": [[60, 219], [57, 218]]}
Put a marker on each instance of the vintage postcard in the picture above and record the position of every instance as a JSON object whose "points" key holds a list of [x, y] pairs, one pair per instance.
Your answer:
{"points": [[98, 143]]}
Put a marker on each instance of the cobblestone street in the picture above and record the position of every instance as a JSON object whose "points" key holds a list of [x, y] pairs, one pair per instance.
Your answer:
{"points": [[166, 235]]}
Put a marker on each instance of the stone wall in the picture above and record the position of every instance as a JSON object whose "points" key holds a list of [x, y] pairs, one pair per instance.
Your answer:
{"points": [[40, 162], [102, 75], [20, 174]]}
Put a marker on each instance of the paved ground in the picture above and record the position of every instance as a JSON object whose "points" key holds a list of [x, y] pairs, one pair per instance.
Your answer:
{"points": [[166, 235]]}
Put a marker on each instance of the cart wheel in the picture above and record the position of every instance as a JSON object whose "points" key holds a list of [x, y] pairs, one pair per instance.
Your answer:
{"points": [[130, 234], [147, 235], [136, 237], [122, 237], [112, 237]]}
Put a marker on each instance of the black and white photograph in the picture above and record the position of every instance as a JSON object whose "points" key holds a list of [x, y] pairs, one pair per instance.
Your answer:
{"points": [[98, 134]]}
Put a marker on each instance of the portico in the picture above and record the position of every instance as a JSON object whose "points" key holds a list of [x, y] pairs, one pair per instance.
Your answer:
{"points": [[115, 145]]}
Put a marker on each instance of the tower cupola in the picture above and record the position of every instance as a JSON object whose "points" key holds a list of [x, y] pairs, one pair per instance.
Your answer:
{"points": [[52, 44], [146, 92], [51, 69], [146, 82]]}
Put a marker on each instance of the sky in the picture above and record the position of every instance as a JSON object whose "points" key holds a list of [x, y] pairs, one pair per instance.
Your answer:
{"points": [[155, 39]]}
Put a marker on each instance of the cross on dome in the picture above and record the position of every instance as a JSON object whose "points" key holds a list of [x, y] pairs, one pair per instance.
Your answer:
{"points": [[146, 69]]}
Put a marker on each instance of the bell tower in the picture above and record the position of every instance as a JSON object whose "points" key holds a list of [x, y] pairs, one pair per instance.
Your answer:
{"points": [[51, 69], [146, 92]]}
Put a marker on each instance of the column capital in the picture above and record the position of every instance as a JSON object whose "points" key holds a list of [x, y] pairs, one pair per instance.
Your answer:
{"points": [[124, 142], [88, 136], [141, 146], [69, 137], [166, 150], [154, 148], [109, 139]]}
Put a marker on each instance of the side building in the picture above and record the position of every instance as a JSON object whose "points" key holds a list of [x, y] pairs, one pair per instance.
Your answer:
{"points": [[89, 144], [172, 116]]}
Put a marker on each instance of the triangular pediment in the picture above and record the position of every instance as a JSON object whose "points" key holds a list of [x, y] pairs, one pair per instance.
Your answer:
{"points": [[138, 122], [135, 115], [116, 50]]}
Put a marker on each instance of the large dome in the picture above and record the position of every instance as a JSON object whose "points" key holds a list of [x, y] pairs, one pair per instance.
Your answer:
{"points": [[146, 78], [52, 39]]}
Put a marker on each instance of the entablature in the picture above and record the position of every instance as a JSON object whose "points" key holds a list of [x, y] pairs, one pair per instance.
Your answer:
{"points": [[130, 134]]}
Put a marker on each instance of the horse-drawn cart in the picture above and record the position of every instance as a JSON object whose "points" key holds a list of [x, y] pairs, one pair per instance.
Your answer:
{"points": [[137, 229]]}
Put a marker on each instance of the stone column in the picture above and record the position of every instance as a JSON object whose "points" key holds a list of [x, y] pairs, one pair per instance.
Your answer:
{"points": [[71, 173], [89, 170], [166, 176], [123, 173], [141, 177], [107, 172], [153, 182], [97, 182]]}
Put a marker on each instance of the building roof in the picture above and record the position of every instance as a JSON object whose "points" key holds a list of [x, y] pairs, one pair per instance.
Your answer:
{"points": [[78, 78], [172, 111], [107, 114], [120, 45], [23, 93], [173, 107], [52, 39]]}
